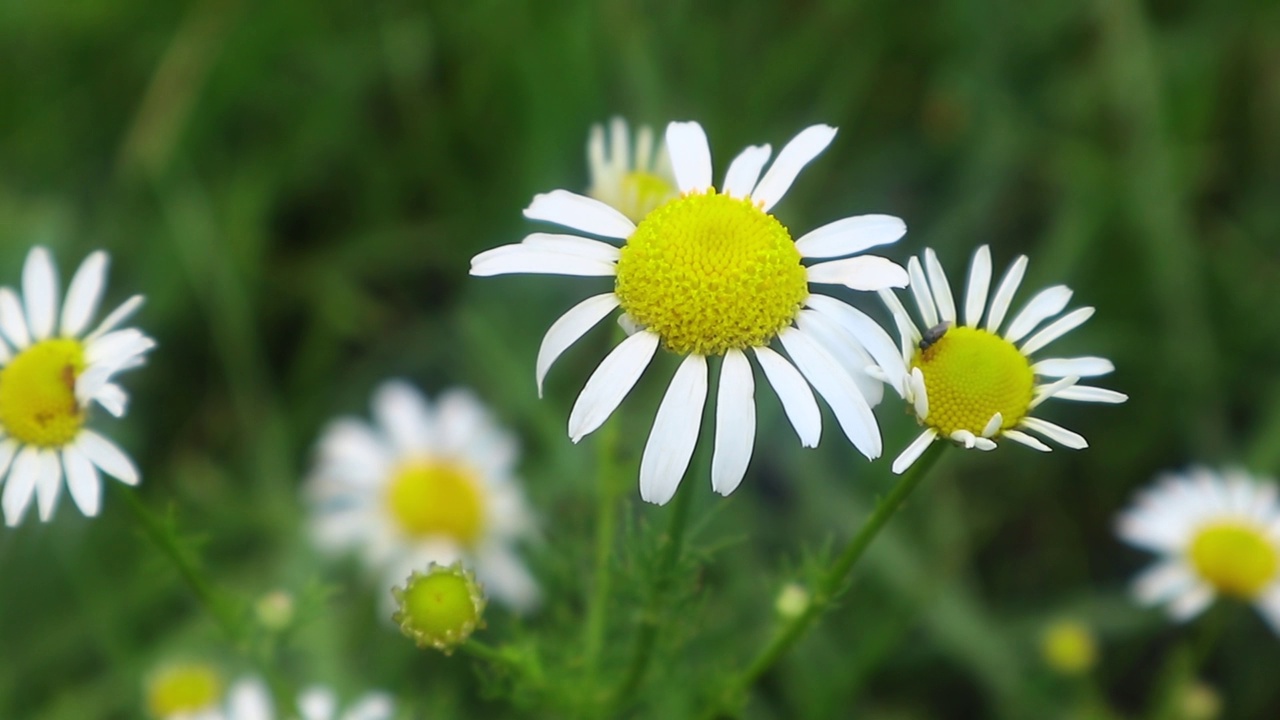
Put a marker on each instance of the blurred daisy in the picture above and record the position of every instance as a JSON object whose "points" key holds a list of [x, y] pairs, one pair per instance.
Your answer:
{"points": [[51, 370], [714, 273], [1216, 534], [632, 180], [249, 699], [424, 485], [974, 384], [184, 690]]}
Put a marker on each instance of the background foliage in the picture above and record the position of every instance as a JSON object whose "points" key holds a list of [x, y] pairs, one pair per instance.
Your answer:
{"points": [[298, 186]]}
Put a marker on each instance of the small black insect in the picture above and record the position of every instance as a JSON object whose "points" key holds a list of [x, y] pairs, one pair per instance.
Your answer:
{"points": [[934, 334]]}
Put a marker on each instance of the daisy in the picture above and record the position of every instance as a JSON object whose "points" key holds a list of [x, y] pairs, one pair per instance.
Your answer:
{"points": [[973, 383], [714, 273], [424, 484], [1216, 534], [249, 699], [633, 181], [51, 371]]}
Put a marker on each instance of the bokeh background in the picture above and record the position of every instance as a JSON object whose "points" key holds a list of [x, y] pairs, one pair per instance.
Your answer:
{"points": [[297, 187]]}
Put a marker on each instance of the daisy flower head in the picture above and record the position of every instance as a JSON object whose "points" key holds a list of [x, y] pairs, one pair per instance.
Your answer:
{"points": [[634, 179], [712, 272], [1215, 534], [184, 690], [53, 368], [250, 699], [975, 382], [424, 484]]}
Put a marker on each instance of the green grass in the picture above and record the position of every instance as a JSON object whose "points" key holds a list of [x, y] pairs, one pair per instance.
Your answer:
{"points": [[297, 187]]}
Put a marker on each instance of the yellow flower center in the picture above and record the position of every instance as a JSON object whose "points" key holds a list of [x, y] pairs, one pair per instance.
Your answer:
{"points": [[708, 273], [1069, 647], [38, 393], [440, 608], [1236, 559], [642, 193], [969, 376], [183, 689], [437, 498]]}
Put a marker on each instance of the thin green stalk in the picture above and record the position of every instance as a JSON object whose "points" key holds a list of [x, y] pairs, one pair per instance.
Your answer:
{"points": [[606, 530], [649, 623], [830, 584]]}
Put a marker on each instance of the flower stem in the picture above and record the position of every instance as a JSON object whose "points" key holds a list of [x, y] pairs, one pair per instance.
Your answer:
{"points": [[606, 530], [829, 586], [673, 542]]}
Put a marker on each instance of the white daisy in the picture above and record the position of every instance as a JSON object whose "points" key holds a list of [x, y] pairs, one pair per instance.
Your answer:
{"points": [[50, 373], [973, 384], [632, 180], [1216, 534], [250, 699], [713, 273], [424, 485]]}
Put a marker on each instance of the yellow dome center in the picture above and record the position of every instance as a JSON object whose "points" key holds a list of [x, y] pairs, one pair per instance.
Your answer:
{"points": [[183, 689], [1236, 559], [969, 376], [437, 498], [708, 273], [642, 192], [38, 393]]}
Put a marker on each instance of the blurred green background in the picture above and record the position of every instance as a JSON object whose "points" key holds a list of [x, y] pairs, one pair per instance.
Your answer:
{"points": [[297, 187]]}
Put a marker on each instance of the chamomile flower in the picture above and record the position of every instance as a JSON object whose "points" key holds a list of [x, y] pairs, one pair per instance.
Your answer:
{"points": [[635, 180], [51, 372], [713, 273], [249, 699], [424, 484], [1216, 534], [974, 383]]}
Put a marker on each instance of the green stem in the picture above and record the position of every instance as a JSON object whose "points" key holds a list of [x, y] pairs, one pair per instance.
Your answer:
{"points": [[606, 530], [829, 586], [673, 543]]}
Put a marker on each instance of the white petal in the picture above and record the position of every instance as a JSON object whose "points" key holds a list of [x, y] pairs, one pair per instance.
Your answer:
{"points": [[920, 291], [743, 172], [845, 350], [48, 483], [610, 383], [350, 449], [113, 398], [1079, 367], [573, 245], [522, 258], [1044, 305], [250, 700], [597, 162], [865, 272], [40, 292], [116, 347], [979, 284], [1086, 393], [1057, 329], [993, 425], [403, 414], [8, 448], [21, 485], [620, 147], [569, 327], [109, 458], [919, 394], [506, 578], [941, 288], [908, 333], [908, 457], [1162, 581], [851, 235], [1044, 392], [1004, 294], [83, 294], [644, 148], [117, 316], [1191, 603], [690, 156], [579, 212], [735, 423], [628, 324], [5, 355], [869, 334], [791, 160], [837, 388], [1056, 433], [794, 393], [1269, 607], [965, 438], [373, 706], [1021, 437], [675, 432], [318, 703], [12, 320], [984, 444], [82, 481]]}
